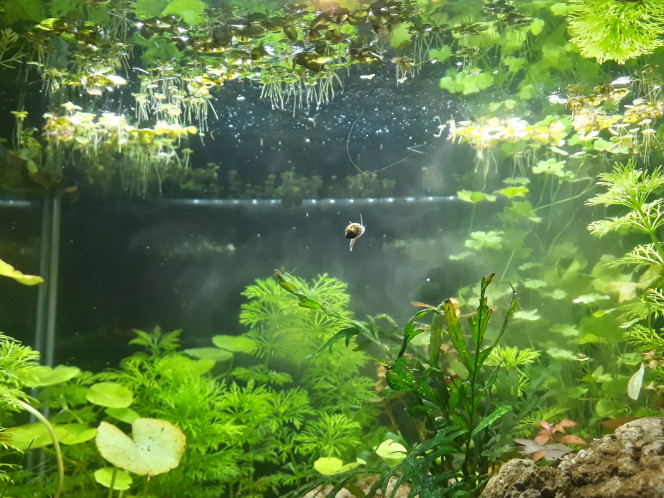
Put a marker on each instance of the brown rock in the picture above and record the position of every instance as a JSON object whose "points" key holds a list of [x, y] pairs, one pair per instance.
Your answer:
{"points": [[521, 479], [626, 464]]}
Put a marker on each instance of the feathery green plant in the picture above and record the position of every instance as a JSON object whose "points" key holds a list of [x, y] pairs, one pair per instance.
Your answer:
{"points": [[16, 363], [285, 337], [611, 30], [635, 190], [638, 191], [453, 458]]}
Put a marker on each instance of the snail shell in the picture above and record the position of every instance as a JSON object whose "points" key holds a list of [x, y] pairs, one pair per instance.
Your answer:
{"points": [[354, 230]]}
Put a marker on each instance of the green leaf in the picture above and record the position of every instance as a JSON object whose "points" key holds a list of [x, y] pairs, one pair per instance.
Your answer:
{"points": [[285, 284], [410, 331], [485, 240], [190, 11], [510, 192], [416, 467], [332, 465], [156, 446], [60, 8], [490, 419], [590, 298], [553, 167], [122, 481], [235, 344], [565, 329], [149, 8], [474, 197], [400, 35], [440, 54], [328, 465], [558, 294], [215, 354], [561, 8], [535, 283], [76, 433], [520, 210], [47, 376], [307, 302], [561, 354], [466, 82], [31, 436], [460, 256], [602, 145], [110, 394], [514, 64], [25, 10], [126, 415], [516, 180], [635, 381], [456, 332], [7, 270], [536, 26], [530, 315], [391, 453], [347, 334]]}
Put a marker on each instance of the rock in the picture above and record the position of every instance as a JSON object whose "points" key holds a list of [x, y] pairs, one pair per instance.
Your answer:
{"points": [[626, 464], [521, 479]]}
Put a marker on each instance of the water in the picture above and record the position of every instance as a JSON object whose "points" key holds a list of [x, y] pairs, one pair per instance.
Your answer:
{"points": [[181, 174]]}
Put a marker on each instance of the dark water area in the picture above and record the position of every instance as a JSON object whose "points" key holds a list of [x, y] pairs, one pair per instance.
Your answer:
{"points": [[182, 264], [20, 236]]}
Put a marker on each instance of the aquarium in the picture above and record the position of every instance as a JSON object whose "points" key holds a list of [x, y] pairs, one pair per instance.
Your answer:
{"points": [[258, 248]]}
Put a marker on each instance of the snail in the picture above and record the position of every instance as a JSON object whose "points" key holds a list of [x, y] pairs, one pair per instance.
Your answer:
{"points": [[354, 231]]}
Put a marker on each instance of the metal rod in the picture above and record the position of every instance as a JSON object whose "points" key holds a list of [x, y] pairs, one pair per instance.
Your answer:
{"points": [[52, 282], [49, 267]]}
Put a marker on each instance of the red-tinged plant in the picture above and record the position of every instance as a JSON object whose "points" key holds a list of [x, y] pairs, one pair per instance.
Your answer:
{"points": [[550, 441], [550, 432]]}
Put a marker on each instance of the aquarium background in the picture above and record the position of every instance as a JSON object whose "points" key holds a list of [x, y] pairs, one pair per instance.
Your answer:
{"points": [[181, 175]]}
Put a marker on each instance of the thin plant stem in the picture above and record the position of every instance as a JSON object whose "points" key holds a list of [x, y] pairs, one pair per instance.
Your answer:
{"points": [[56, 445], [110, 488]]}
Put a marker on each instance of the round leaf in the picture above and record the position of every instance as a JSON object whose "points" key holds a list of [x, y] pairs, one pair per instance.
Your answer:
{"points": [[392, 453], [76, 433], [123, 414], [215, 354], [157, 446], [47, 376], [104, 476], [328, 465], [236, 344], [31, 436], [110, 394]]}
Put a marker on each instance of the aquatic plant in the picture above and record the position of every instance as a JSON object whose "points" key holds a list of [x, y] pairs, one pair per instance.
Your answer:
{"points": [[609, 30], [166, 59], [452, 456], [111, 148], [19, 371], [637, 191], [633, 189], [253, 417], [7, 270], [284, 336], [16, 364], [551, 441]]}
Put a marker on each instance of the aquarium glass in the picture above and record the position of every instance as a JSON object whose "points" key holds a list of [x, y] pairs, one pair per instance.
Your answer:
{"points": [[258, 248]]}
